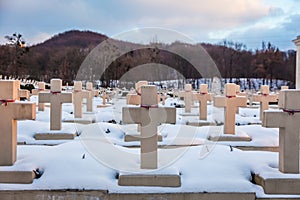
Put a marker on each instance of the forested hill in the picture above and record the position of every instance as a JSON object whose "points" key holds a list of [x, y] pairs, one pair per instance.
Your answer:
{"points": [[62, 55]]}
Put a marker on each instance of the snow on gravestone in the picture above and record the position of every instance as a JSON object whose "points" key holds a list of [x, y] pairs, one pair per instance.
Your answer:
{"points": [[264, 98], [11, 111], [287, 120], [230, 102], [41, 88]]}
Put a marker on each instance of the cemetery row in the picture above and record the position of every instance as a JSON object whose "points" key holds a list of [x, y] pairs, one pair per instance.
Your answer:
{"points": [[149, 113]]}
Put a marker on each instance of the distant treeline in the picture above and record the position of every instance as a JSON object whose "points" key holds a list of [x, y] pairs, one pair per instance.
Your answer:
{"points": [[62, 55]]}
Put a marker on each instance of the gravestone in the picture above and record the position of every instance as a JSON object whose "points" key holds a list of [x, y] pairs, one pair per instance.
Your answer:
{"points": [[56, 98], [287, 120], [78, 96], [149, 115], [264, 98], [216, 86], [297, 43], [89, 100], [12, 111], [22, 94], [284, 87], [41, 88], [187, 94], [202, 97], [230, 103], [135, 99]]}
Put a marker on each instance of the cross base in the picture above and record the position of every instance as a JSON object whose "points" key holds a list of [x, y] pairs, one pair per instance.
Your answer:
{"points": [[282, 185], [200, 123], [136, 137], [150, 180], [54, 136], [239, 135], [86, 120], [17, 177]]}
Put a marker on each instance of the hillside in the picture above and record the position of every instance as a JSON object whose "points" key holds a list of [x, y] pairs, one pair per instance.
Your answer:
{"points": [[62, 55]]}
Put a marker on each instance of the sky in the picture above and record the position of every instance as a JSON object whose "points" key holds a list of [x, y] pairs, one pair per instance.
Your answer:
{"points": [[247, 21]]}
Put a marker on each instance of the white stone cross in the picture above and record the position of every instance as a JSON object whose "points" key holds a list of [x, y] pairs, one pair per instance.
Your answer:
{"points": [[41, 88], [230, 103], [188, 97], [78, 96], [264, 98], [203, 96], [149, 115], [287, 119], [135, 99], [89, 100], [10, 112], [56, 98]]}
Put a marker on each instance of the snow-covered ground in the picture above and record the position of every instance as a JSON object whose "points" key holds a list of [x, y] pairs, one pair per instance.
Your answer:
{"points": [[94, 159]]}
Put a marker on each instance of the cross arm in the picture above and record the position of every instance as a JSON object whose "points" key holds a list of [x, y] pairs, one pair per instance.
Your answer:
{"points": [[219, 101], [24, 110], [66, 97], [274, 119], [166, 115], [44, 97], [256, 97], [241, 101], [131, 115]]}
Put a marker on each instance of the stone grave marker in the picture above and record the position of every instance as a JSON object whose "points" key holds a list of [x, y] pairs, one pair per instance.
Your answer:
{"points": [[149, 115], [78, 96], [41, 88], [56, 98], [230, 102], [89, 100], [264, 98], [216, 86], [187, 94], [135, 99], [287, 120], [12, 111]]}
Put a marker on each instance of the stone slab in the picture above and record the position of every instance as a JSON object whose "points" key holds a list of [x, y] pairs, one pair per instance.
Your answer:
{"points": [[133, 138], [200, 123], [278, 185], [189, 114], [150, 180], [55, 136], [17, 177], [79, 120], [239, 136]]}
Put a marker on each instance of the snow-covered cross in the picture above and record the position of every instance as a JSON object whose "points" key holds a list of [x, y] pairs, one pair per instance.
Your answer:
{"points": [[187, 94], [264, 98], [149, 115], [41, 88], [203, 96], [56, 98], [10, 112], [230, 103], [287, 119], [78, 96]]}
